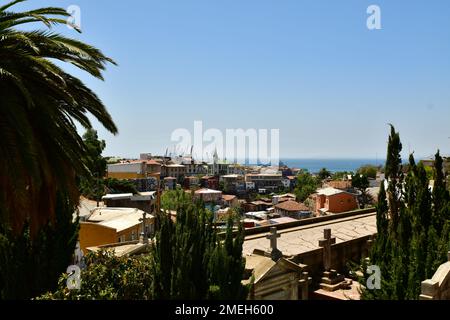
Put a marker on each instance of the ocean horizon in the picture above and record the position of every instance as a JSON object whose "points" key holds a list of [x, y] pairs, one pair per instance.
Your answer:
{"points": [[332, 165]]}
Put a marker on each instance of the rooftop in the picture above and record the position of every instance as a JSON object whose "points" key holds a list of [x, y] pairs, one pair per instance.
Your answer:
{"points": [[103, 214], [231, 176], [117, 218], [207, 191], [173, 165], [118, 196], [329, 191], [261, 202], [293, 206], [305, 238], [142, 196], [269, 175], [258, 214], [287, 195], [124, 222], [283, 220], [153, 162], [228, 197]]}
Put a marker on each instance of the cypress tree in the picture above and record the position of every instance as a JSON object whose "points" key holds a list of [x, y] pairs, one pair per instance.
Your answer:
{"points": [[413, 226], [190, 261], [378, 251], [227, 266], [441, 211], [394, 176]]}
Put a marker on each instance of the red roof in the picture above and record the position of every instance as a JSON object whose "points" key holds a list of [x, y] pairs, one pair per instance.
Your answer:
{"points": [[292, 206]]}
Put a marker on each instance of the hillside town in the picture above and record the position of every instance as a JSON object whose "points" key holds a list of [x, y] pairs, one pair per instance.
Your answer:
{"points": [[294, 182], [264, 200], [261, 196]]}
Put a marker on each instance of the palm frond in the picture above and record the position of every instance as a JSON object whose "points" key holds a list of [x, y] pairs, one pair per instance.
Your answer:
{"points": [[41, 149]]}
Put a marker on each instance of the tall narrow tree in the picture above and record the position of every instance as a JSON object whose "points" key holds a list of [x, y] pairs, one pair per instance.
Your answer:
{"points": [[408, 248], [190, 261], [394, 177]]}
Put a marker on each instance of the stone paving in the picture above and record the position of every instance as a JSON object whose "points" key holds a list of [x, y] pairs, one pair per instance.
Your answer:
{"points": [[298, 240]]}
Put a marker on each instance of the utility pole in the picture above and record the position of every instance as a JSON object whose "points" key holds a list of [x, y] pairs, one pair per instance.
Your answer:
{"points": [[157, 204], [144, 237], [98, 189]]}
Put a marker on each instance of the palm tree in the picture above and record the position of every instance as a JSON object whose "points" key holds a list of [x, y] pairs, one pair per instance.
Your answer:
{"points": [[41, 152]]}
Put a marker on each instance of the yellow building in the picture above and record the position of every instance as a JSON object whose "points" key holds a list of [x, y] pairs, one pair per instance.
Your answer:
{"points": [[113, 225], [138, 169]]}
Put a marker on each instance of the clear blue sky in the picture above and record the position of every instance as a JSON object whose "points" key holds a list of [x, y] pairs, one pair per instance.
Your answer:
{"points": [[310, 68]]}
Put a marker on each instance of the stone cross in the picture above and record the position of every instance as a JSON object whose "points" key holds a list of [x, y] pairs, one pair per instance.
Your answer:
{"points": [[273, 236], [326, 244]]}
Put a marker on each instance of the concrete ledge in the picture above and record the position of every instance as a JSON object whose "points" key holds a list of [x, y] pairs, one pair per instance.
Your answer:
{"points": [[308, 221]]}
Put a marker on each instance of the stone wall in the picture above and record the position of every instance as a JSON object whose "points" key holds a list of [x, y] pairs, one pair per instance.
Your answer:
{"points": [[309, 221], [438, 288]]}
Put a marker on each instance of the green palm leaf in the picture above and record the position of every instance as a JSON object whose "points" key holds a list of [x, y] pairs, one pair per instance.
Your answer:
{"points": [[41, 150]]}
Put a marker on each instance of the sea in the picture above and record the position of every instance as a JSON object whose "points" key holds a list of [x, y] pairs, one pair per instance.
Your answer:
{"points": [[332, 165]]}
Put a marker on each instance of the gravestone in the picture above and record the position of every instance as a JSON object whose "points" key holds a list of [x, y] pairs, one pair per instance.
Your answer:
{"points": [[326, 244], [331, 280], [273, 236]]}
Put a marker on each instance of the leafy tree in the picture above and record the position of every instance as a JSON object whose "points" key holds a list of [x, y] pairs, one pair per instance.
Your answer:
{"points": [[361, 183], [108, 277], [41, 149], [115, 186], [324, 174], [92, 185], [171, 198], [341, 175], [306, 185], [368, 170]]}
